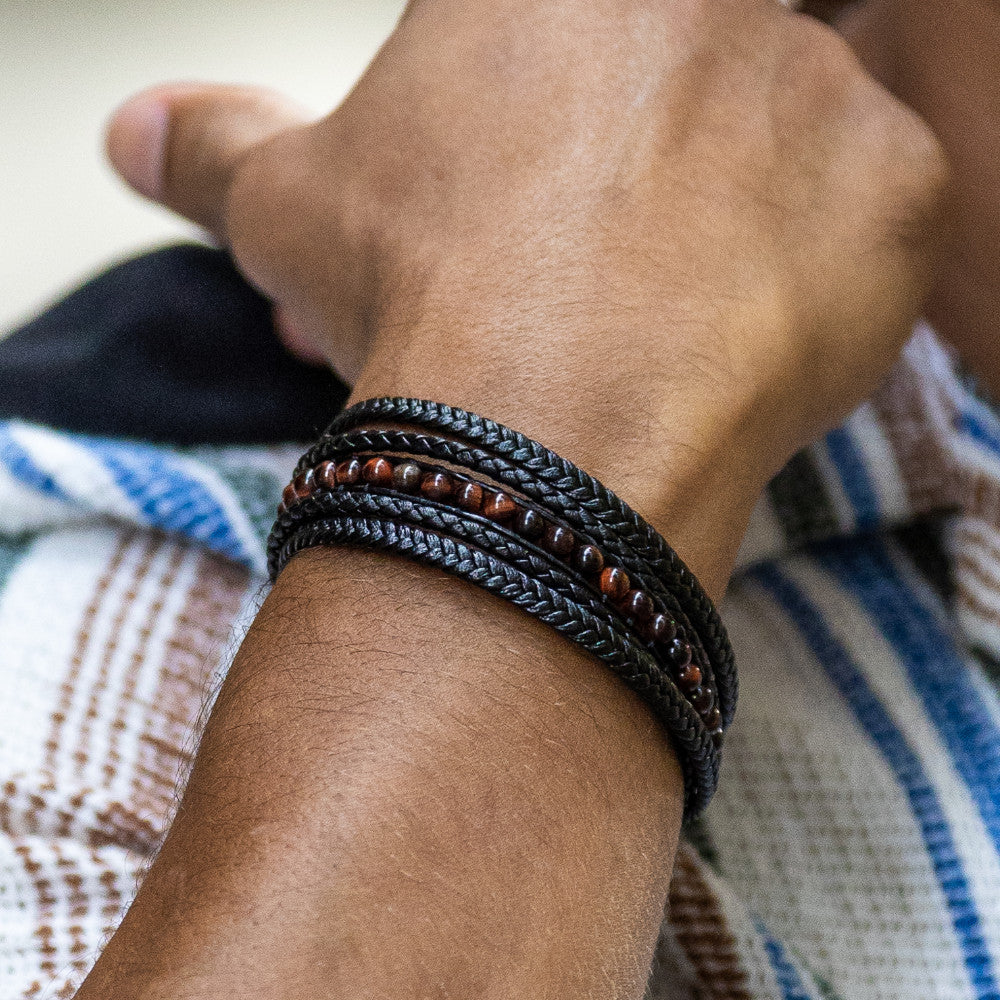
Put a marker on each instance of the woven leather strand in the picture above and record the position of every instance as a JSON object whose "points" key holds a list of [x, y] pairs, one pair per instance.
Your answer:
{"points": [[619, 519], [715, 661], [697, 754]]}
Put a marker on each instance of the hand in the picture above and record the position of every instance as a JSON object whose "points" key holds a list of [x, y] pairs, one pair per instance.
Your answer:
{"points": [[671, 241]]}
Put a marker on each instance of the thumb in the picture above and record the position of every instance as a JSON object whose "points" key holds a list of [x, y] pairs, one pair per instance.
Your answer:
{"points": [[181, 145]]}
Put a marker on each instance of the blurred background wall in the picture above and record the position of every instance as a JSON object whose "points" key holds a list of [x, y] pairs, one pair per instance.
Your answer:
{"points": [[65, 64]]}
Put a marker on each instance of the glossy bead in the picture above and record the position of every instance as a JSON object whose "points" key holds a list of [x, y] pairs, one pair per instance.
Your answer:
{"points": [[703, 700], [589, 559], [499, 506], [558, 540], [614, 583], [689, 677], [326, 475], [378, 472], [638, 605], [406, 477], [282, 510], [680, 652], [470, 497], [436, 486], [663, 628], [348, 472], [713, 721], [289, 497], [530, 523], [303, 484]]}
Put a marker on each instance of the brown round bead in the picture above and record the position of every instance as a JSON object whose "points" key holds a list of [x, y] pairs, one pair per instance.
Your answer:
{"points": [[436, 486], [703, 700], [589, 559], [377, 471], [559, 540], [289, 497], [713, 721], [499, 506], [663, 628], [638, 605], [614, 583], [689, 677], [348, 472], [470, 497], [282, 510], [326, 475], [680, 652], [530, 523], [406, 477], [303, 484]]}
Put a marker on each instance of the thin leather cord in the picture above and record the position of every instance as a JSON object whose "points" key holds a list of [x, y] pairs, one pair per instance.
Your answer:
{"points": [[696, 752], [715, 662], [622, 521], [474, 530]]}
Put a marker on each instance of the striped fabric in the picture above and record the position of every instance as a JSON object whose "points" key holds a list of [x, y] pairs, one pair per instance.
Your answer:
{"points": [[853, 850]]}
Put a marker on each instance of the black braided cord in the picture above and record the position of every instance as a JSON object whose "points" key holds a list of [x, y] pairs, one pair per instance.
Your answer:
{"points": [[619, 520], [587, 514], [472, 529], [696, 752]]}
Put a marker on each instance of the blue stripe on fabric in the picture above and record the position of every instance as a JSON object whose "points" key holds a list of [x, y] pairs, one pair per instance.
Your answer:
{"points": [[933, 665], [168, 497], [17, 460], [786, 975], [924, 803], [850, 466], [982, 428]]}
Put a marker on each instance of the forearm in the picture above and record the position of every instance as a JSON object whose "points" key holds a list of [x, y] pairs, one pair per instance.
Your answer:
{"points": [[408, 788]]}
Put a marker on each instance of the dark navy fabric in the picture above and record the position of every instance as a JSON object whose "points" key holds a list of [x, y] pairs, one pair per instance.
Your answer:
{"points": [[174, 347]]}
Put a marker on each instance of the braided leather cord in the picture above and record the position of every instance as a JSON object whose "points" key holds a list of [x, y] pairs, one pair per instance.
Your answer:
{"points": [[471, 529], [564, 507], [698, 757], [617, 519]]}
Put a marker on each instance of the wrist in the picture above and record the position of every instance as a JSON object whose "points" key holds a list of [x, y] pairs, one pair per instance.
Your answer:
{"points": [[690, 458]]}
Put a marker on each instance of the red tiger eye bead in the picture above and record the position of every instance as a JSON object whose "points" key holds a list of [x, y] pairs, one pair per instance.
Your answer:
{"points": [[303, 484], [614, 583], [289, 497], [680, 652], [470, 497], [326, 475], [713, 722], [436, 486], [663, 628], [499, 506], [589, 559], [378, 472], [406, 477], [703, 700], [638, 605], [348, 472], [689, 677], [530, 523], [559, 540]]}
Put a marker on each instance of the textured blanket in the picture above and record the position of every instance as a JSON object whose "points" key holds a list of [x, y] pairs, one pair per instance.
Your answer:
{"points": [[853, 850]]}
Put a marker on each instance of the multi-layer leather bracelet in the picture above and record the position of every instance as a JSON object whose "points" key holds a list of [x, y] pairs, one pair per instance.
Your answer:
{"points": [[454, 490]]}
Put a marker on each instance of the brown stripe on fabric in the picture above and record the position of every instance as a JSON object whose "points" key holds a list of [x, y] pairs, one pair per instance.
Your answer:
{"points": [[155, 609], [191, 656], [149, 545], [45, 906], [700, 926], [924, 466], [83, 638], [975, 605]]}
